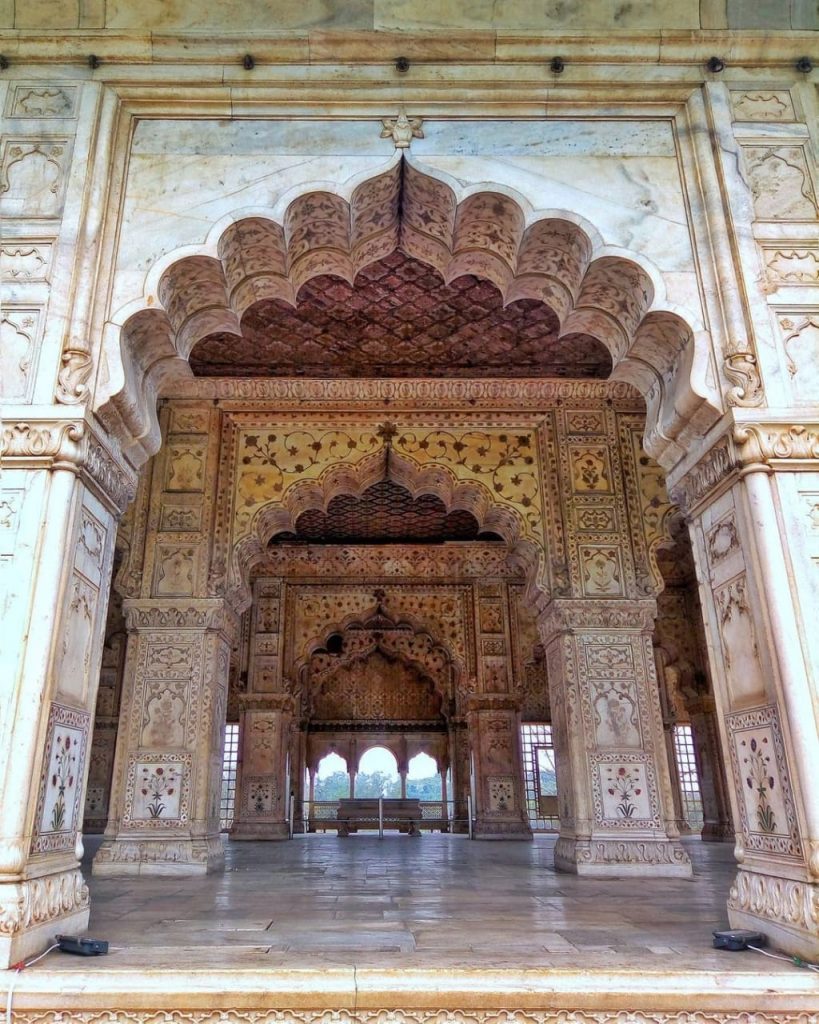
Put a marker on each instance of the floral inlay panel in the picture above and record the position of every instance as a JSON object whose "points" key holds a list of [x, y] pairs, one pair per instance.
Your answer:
{"points": [[157, 791], [766, 809], [58, 804], [506, 462], [625, 790], [270, 459]]}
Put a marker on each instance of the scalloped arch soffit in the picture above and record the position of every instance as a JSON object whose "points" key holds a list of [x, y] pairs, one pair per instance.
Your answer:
{"points": [[559, 295]]}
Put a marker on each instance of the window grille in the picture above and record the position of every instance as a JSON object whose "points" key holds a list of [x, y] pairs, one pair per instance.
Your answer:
{"points": [[690, 795], [539, 776], [229, 761]]}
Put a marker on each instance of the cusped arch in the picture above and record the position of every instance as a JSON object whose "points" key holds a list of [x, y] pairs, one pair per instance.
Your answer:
{"points": [[526, 550], [614, 296], [407, 640]]}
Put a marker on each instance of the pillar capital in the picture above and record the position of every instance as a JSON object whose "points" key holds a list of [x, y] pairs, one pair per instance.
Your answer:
{"points": [[63, 438], [281, 702], [576, 615], [202, 614], [744, 441]]}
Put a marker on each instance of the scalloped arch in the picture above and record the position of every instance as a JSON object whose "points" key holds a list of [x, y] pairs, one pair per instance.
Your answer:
{"points": [[280, 515], [414, 646], [489, 231]]}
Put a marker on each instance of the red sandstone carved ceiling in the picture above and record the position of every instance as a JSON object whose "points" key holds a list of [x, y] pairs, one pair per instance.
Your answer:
{"points": [[385, 512], [400, 319]]}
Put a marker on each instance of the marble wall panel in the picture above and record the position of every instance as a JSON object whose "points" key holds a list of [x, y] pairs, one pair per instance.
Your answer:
{"points": [[781, 183], [24, 260], [42, 100], [762, 105], [20, 341], [33, 176]]}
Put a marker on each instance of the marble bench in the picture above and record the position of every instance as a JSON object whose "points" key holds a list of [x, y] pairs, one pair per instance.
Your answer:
{"points": [[358, 813]]}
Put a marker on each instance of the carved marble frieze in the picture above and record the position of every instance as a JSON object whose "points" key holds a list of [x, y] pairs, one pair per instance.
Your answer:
{"points": [[612, 853], [406, 561]]}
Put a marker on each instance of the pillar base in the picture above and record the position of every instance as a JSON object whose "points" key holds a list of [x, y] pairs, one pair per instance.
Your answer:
{"points": [[786, 911], [120, 857], [515, 829], [717, 832], [618, 857], [33, 911], [271, 831]]}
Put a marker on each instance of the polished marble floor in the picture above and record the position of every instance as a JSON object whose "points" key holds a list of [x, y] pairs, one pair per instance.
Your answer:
{"points": [[439, 901]]}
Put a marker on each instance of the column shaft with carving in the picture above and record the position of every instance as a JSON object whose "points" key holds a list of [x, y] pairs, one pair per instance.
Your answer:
{"points": [[616, 812], [261, 788], [62, 492], [164, 815], [494, 735], [716, 806], [752, 508]]}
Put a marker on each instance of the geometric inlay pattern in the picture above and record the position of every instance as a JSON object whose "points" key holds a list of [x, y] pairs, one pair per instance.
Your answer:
{"points": [[400, 319]]}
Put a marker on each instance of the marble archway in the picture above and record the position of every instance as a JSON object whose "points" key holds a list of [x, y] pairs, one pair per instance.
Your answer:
{"points": [[611, 295]]}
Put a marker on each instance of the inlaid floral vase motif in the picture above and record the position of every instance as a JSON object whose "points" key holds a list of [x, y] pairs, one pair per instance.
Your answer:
{"points": [[760, 779]]}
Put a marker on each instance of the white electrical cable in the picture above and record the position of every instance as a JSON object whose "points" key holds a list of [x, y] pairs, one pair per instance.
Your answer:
{"points": [[21, 967], [796, 961]]}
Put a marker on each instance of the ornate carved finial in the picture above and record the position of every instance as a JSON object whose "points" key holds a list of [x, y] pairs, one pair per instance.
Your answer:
{"points": [[402, 130], [386, 431]]}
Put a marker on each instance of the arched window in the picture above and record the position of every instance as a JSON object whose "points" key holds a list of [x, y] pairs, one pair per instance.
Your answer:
{"points": [[423, 778], [332, 779], [378, 774]]}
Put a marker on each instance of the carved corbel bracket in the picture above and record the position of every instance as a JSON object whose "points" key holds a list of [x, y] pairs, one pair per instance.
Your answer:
{"points": [[741, 369]]}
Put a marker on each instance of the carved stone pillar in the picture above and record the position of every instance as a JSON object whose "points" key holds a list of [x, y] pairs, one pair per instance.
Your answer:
{"points": [[716, 807], [261, 789], [61, 492], [669, 721], [298, 763], [164, 817], [461, 776], [753, 511], [616, 811], [494, 734]]}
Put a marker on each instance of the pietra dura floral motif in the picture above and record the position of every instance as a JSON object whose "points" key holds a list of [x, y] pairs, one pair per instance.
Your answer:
{"points": [[623, 785], [158, 786], [625, 790], [157, 791], [61, 784], [767, 811]]}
